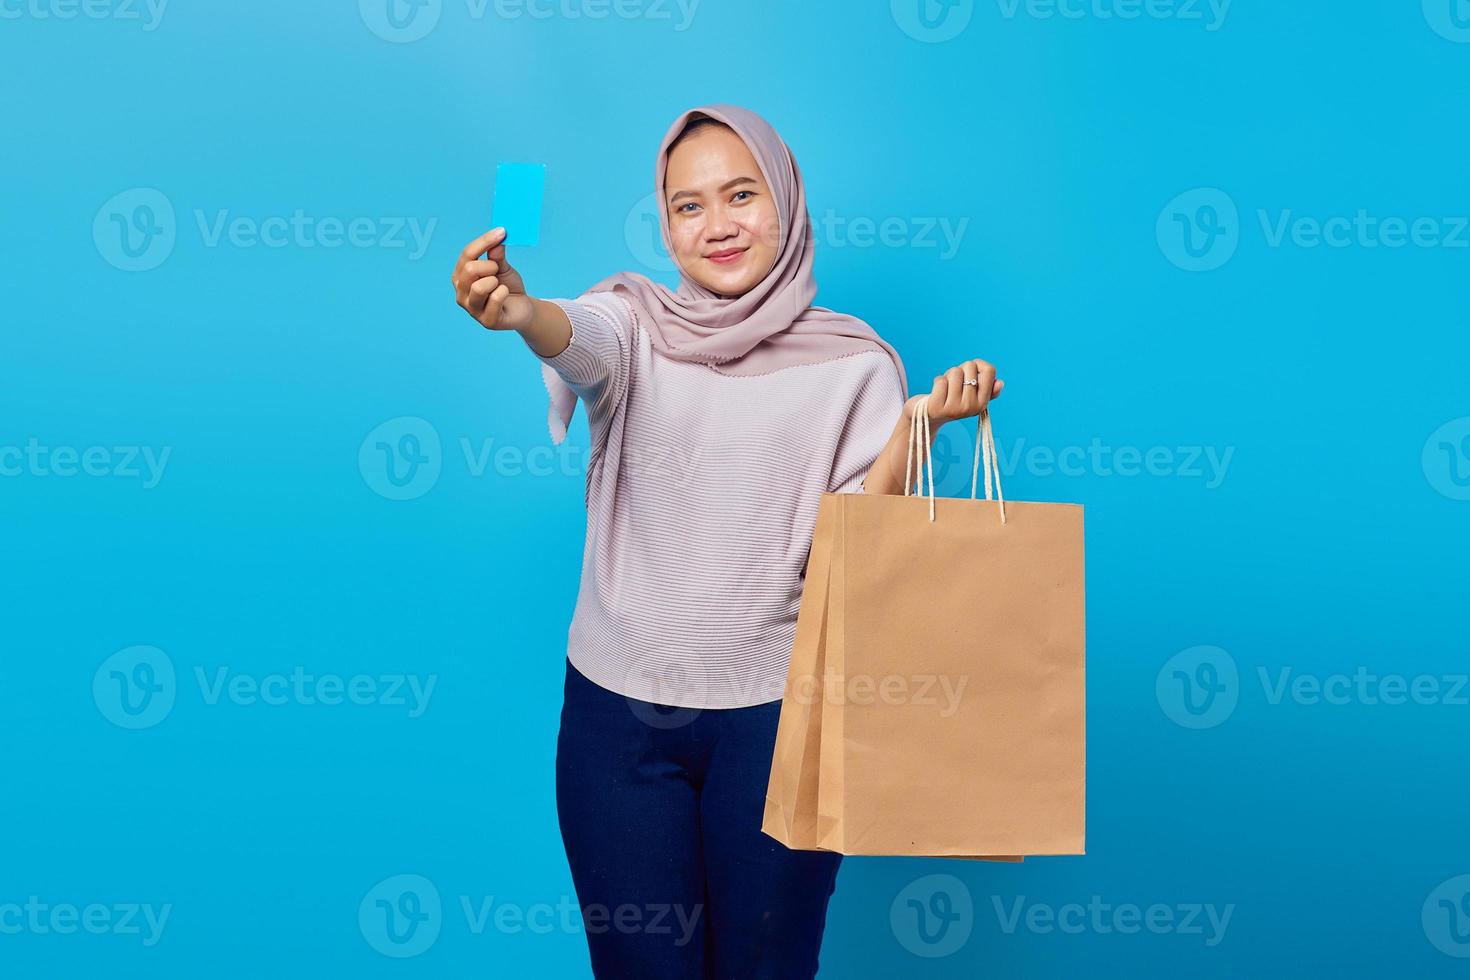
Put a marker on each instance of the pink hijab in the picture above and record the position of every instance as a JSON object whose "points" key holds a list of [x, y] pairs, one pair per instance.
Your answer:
{"points": [[771, 326]]}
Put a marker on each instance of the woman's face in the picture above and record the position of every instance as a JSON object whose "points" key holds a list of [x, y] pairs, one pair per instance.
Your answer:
{"points": [[723, 223]]}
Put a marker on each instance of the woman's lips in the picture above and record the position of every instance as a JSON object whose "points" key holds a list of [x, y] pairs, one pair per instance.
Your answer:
{"points": [[727, 256]]}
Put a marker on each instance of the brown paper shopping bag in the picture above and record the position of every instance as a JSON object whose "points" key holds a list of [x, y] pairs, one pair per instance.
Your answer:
{"points": [[949, 719], [791, 797]]}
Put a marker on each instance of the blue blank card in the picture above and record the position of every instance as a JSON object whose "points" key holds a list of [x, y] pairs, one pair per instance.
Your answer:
{"points": [[518, 190]]}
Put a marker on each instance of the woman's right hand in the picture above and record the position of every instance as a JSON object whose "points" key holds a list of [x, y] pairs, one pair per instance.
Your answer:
{"points": [[488, 288]]}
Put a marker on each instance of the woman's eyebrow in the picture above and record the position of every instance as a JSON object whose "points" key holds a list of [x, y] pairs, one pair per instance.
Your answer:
{"points": [[723, 187]]}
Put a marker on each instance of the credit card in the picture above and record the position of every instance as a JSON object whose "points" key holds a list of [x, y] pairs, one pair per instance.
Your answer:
{"points": [[517, 207]]}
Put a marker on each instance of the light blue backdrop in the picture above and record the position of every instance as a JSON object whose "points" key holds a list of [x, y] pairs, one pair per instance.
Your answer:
{"points": [[1219, 253]]}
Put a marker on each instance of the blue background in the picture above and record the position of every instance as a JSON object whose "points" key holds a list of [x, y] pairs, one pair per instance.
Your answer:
{"points": [[1335, 540]]}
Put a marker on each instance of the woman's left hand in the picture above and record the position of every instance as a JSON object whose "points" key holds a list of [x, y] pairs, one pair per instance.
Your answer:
{"points": [[953, 399]]}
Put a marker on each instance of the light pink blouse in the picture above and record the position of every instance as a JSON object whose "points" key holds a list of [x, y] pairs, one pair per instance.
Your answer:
{"points": [[702, 492]]}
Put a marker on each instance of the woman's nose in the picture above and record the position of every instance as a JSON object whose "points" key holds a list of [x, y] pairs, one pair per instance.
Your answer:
{"points": [[720, 224]]}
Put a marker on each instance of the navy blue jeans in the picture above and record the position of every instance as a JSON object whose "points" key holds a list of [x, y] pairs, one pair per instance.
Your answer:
{"points": [[660, 811]]}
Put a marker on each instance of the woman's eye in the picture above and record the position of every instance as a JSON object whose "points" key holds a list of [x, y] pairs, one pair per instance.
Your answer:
{"points": [[684, 208], [738, 193]]}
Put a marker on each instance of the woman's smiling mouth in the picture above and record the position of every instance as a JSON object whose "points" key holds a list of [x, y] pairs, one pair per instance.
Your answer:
{"points": [[725, 256]]}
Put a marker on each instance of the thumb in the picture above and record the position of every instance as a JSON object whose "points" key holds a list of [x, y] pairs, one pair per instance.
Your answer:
{"points": [[508, 273]]}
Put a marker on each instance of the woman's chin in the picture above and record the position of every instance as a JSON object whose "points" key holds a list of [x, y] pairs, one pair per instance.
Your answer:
{"points": [[727, 281]]}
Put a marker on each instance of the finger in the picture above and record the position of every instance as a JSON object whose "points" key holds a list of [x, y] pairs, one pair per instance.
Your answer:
{"points": [[491, 314], [472, 273], [479, 294], [999, 387], [479, 269], [969, 403], [985, 386], [954, 392], [504, 268], [938, 395], [477, 248]]}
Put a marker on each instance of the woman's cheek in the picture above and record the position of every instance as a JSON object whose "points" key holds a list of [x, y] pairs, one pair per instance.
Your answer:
{"points": [[686, 241], [770, 230]]}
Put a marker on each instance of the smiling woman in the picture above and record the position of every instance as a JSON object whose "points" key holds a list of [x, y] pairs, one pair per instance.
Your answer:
{"points": [[724, 232], [719, 413]]}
